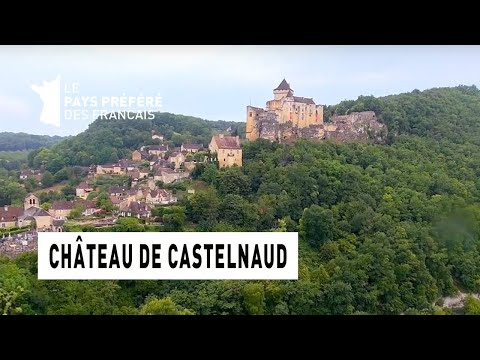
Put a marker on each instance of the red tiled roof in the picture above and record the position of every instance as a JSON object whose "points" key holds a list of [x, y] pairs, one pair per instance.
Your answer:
{"points": [[227, 142], [89, 204], [11, 214], [63, 205], [84, 185], [158, 147], [192, 146], [115, 200]]}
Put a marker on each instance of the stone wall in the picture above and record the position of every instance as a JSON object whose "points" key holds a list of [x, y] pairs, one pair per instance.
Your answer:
{"points": [[358, 126]]}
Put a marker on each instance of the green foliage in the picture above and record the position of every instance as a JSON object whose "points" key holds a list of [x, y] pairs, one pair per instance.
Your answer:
{"points": [[254, 298], [108, 140], [13, 284], [47, 179], [384, 229], [472, 306], [174, 219], [11, 192], [166, 306], [203, 207], [128, 224], [77, 212], [22, 141], [317, 225]]}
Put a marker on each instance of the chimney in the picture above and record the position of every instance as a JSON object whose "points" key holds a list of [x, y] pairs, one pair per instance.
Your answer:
{"points": [[220, 136]]}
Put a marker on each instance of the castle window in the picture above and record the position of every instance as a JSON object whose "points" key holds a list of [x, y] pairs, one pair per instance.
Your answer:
{"points": [[251, 114]]}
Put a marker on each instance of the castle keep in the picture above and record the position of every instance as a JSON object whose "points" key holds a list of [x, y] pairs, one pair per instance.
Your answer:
{"points": [[287, 118], [285, 107]]}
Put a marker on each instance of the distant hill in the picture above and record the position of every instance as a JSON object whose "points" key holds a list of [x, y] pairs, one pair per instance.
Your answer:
{"points": [[450, 113], [23, 141]]}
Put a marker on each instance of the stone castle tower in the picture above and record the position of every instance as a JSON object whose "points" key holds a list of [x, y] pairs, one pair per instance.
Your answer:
{"points": [[285, 107]]}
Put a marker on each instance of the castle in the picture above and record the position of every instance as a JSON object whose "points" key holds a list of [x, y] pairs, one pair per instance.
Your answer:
{"points": [[287, 118]]}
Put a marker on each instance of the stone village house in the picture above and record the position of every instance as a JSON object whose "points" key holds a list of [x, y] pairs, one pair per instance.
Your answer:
{"points": [[227, 149]]}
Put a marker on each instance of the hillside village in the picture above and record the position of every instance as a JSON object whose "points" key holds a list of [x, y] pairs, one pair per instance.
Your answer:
{"points": [[149, 180], [157, 174], [153, 175], [383, 229]]}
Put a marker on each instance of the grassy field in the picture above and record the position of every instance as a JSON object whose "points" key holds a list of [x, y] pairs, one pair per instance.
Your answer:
{"points": [[14, 155]]}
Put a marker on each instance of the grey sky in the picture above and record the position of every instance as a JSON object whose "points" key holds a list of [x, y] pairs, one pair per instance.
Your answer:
{"points": [[217, 82]]}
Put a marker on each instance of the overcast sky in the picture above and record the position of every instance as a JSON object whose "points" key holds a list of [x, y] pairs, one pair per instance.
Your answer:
{"points": [[217, 82]]}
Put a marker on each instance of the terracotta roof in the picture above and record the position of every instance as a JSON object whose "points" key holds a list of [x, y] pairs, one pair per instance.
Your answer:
{"points": [[135, 173], [303, 100], [84, 185], [132, 192], [117, 189], [158, 147], [166, 170], [11, 214], [164, 193], [283, 86], [137, 207], [89, 204], [192, 146], [63, 205], [115, 200], [227, 142]]}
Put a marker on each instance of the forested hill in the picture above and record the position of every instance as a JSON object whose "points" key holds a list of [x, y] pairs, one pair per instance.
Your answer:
{"points": [[451, 114], [22, 141], [108, 140]]}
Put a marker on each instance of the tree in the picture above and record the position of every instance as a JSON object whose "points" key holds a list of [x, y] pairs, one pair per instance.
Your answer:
{"points": [[233, 181], [77, 212], [317, 225], [61, 175], [128, 224], [106, 205], [472, 305], [47, 179], [254, 298], [101, 197], [31, 184], [203, 207], [46, 206], [165, 306], [13, 285], [174, 221], [69, 192]]}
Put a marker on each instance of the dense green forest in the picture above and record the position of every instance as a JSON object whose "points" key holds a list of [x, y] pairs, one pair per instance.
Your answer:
{"points": [[384, 229], [107, 141], [22, 141]]}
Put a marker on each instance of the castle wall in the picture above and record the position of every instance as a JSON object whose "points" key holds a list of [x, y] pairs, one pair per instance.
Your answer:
{"points": [[288, 118], [251, 128]]}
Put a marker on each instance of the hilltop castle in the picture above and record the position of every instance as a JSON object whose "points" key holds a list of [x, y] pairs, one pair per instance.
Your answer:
{"points": [[288, 117], [285, 107]]}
